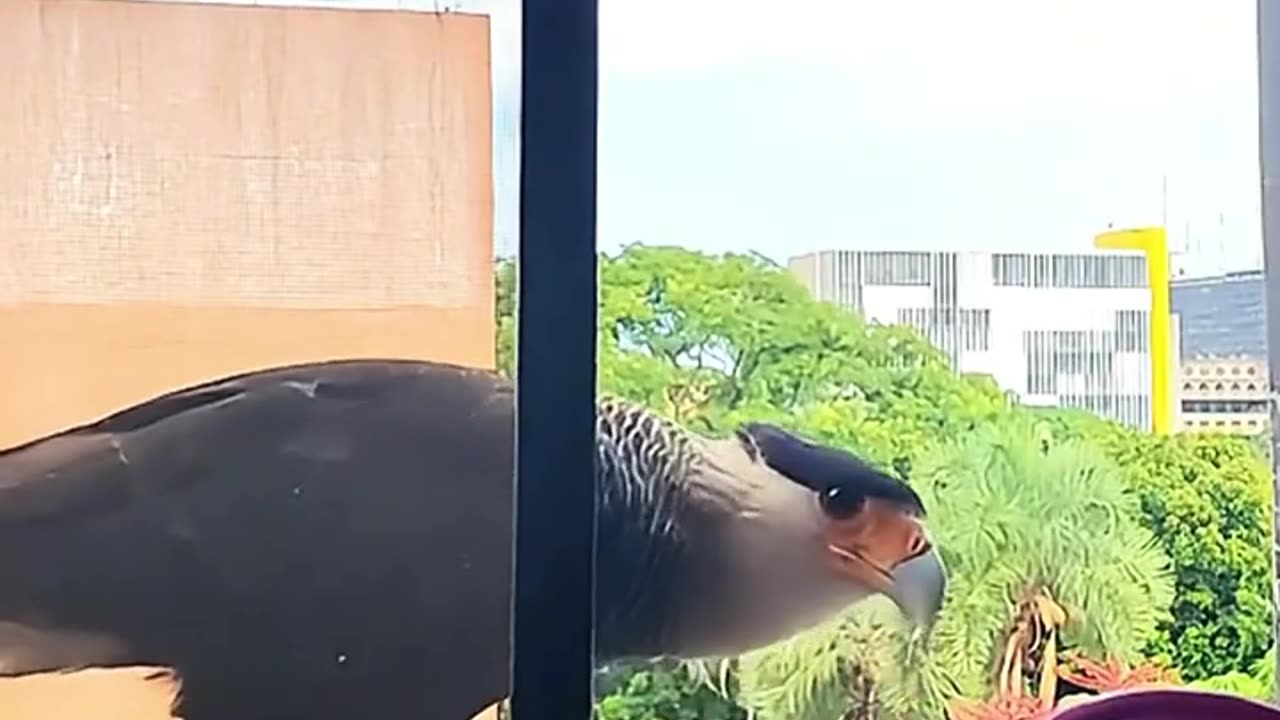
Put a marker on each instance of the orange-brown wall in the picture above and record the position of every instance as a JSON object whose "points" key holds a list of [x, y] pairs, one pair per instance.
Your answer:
{"points": [[191, 191], [73, 363]]}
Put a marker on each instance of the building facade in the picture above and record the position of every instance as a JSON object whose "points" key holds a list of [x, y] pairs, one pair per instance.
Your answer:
{"points": [[1222, 385], [1227, 395], [1068, 330], [1222, 316]]}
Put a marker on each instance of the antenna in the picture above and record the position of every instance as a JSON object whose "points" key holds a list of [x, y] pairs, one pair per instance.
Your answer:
{"points": [[1164, 199]]}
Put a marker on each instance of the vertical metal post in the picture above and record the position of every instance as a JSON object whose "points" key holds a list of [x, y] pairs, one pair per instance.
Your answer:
{"points": [[1269, 151], [555, 515], [1154, 244]]}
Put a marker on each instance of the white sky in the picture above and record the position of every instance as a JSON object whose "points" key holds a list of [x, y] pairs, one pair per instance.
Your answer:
{"points": [[784, 127]]}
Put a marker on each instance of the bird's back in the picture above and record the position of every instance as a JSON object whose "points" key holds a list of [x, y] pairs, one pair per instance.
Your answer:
{"points": [[288, 540]]}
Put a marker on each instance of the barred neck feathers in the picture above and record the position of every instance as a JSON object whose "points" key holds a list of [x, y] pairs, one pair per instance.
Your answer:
{"points": [[641, 459], [642, 464]]}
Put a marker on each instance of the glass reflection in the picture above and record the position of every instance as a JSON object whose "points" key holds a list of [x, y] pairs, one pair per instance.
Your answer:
{"points": [[880, 232]]}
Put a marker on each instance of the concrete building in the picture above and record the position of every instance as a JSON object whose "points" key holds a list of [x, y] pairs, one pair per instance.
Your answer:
{"points": [[194, 190], [1223, 395], [1067, 330], [1222, 382]]}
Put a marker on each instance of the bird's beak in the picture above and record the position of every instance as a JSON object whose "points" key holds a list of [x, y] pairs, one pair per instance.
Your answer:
{"points": [[888, 550], [919, 587]]}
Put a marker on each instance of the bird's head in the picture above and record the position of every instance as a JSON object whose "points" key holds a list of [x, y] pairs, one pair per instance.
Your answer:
{"points": [[871, 525]]}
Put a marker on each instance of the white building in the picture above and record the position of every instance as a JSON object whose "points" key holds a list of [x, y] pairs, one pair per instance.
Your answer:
{"points": [[1055, 329]]}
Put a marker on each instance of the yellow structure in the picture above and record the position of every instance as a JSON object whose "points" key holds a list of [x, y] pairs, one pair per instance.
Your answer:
{"points": [[1153, 242]]}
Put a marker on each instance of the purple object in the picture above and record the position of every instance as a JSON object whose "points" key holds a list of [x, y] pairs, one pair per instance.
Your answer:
{"points": [[1168, 704]]}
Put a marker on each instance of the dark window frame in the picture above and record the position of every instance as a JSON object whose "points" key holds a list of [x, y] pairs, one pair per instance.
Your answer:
{"points": [[1268, 37], [555, 514], [1059, 270]]}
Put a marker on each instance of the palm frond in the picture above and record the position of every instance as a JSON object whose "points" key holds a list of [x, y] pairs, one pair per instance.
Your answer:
{"points": [[1011, 517]]}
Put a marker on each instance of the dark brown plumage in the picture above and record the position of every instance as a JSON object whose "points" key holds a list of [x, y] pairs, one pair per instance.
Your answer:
{"points": [[334, 541]]}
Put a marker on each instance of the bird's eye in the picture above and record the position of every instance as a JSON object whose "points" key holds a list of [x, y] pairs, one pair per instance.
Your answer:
{"points": [[839, 503]]}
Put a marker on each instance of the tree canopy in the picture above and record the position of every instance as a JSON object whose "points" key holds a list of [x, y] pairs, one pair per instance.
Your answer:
{"points": [[715, 340], [1019, 520], [1208, 500]]}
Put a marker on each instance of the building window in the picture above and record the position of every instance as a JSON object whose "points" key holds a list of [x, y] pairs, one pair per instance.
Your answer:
{"points": [[896, 268], [1011, 270], [975, 330], [1237, 407], [1131, 331], [1040, 271], [1079, 367], [936, 324], [1069, 271]]}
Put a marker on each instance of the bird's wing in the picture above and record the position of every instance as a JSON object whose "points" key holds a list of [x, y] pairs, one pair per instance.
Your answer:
{"points": [[88, 468], [135, 453], [312, 517]]}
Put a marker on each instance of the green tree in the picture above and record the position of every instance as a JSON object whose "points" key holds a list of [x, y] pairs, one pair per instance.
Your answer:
{"points": [[714, 339], [1207, 497], [1208, 500], [1259, 683], [505, 310], [862, 665], [1022, 527], [660, 691], [1015, 519]]}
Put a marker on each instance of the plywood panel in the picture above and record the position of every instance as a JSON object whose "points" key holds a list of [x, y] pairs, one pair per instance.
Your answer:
{"points": [[217, 154], [118, 693], [189, 191], [65, 364]]}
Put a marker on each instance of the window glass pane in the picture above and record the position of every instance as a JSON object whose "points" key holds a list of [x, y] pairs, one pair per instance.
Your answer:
{"points": [[260, 241], [821, 227], [850, 228]]}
